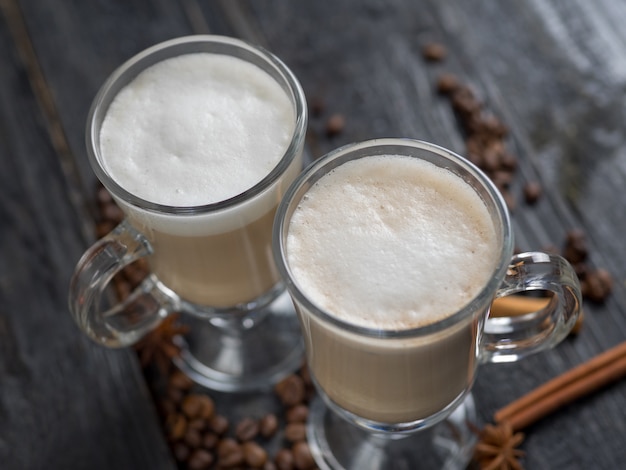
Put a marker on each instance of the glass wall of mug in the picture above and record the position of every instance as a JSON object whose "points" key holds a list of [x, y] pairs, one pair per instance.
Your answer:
{"points": [[393, 250], [197, 139]]}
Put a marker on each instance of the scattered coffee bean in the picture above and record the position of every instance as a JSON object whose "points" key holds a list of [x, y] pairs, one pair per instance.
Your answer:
{"points": [[598, 285], [197, 424], [532, 192], [447, 84], [269, 465], [434, 52], [291, 390], [192, 438], [179, 380], [297, 414], [219, 424], [575, 250], [200, 459], [229, 453], [247, 429], [302, 457], [335, 124], [103, 196], [210, 440], [254, 455], [176, 426], [197, 405], [284, 460], [268, 425], [113, 213], [295, 432]]}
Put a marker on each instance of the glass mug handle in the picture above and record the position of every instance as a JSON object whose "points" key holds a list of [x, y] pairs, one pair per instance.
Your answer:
{"points": [[125, 322], [508, 339]]}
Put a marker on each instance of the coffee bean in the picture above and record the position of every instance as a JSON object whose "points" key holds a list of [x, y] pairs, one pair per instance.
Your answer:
{"points": [[508, 161], [465, 103], [112, 213], [200, 459], [510, 200], [335, 124], [176, 426], [210, 440], [532, 192], [192, 438], [254, 454], [229, 453], [447, 83], [599, 285], [198, 424], [291, 390], [269, 465], [502, 179], [302, 457], [247, 429], [297, 414], [180, 380], [575, 250], [268, 425], [284, 460], [219, 424], [103, 196], [198, 406], [434, 52], [295, 432]]}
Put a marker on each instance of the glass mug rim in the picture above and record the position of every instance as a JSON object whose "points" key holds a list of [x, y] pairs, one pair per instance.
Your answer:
{"points": [[385, 146], [223, 45]]}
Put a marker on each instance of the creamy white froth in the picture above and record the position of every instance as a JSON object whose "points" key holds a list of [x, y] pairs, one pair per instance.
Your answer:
{"points": [[196, 129], [391, 242]]}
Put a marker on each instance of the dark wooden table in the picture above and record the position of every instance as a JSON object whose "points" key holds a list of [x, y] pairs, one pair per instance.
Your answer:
{"points": [[553, 71]]}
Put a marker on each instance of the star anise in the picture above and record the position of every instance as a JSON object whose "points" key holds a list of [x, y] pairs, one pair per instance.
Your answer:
{"points": [[158, 346], [497, 448]]}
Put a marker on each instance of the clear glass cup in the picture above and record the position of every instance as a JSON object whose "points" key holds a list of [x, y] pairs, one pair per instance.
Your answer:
{"points": [[214, 265], [431, 367]]}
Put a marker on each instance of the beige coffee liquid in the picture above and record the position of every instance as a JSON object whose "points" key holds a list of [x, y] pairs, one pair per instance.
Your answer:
{"points": [[391, 243], [194, 130]]}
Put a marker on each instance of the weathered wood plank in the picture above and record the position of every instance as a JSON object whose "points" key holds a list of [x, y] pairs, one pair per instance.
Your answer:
{"points": [[64, 402], [556, 74], [554, 71]]}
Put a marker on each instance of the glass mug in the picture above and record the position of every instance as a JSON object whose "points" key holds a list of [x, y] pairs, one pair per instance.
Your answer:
{"points": [[400, 398], [212, 262]]}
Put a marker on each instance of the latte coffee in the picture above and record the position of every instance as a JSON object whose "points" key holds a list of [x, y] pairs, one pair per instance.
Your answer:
{"points": [[388, 244], [196, 130]]}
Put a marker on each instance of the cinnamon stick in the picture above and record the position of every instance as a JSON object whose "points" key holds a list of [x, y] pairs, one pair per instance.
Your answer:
{"points": [[564, 389], [516, 305]]}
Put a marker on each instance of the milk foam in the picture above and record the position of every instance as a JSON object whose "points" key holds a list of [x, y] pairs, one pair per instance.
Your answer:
{"points": [[391, 242], [197, 129]]}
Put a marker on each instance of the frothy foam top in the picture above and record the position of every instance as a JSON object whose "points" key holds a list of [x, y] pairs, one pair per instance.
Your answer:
{"points": [[196, 129], [391, 242]]}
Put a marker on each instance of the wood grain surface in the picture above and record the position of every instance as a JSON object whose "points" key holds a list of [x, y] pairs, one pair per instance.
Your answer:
{"points": [[553, 71]]}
